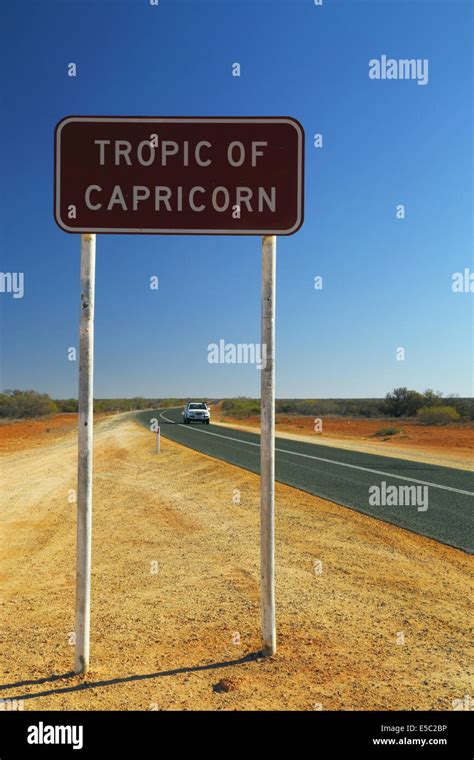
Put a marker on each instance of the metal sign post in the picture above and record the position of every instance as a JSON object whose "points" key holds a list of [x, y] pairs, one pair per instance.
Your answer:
{"points": [[267, 448], [84, 472]]}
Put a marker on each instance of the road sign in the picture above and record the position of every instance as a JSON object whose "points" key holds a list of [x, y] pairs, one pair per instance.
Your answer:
{"points": [[173, 175], [185, 176]]}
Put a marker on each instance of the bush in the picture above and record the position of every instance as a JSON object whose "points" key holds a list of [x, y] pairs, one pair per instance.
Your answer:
{"points": [[465, 406], [438, 415], [386, 431], [66, 405], [21, 404], [402, 403], [241, 407], [330, 407]]}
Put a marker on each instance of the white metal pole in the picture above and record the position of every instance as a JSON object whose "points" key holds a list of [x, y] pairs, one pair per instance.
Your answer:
{"points": [[267, 447], [158, 433], [84, 472]]}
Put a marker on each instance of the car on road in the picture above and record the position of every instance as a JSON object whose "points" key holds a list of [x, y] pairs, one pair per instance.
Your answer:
{"points": [[196, 411]]}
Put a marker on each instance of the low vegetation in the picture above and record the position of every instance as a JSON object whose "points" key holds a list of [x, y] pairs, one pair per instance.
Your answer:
{"points": [[25, 404], [428, 408], [120, 404], [399, 403], [385, 432], [438, 415], [241, 407]]}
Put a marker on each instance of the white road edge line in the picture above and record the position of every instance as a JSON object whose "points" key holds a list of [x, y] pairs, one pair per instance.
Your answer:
{"points": [[328, 461]]}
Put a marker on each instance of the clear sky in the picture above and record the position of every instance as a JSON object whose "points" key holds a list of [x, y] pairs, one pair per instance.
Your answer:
{"points": [[387, 282]]}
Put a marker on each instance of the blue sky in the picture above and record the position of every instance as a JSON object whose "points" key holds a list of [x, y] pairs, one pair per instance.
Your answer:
{"points": [[386, 281]]}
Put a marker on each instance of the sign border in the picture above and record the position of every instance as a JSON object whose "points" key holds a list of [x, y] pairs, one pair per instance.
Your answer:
{"points": [[196, 119]]}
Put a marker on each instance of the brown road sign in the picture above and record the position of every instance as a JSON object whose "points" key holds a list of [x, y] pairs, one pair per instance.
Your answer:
{"points": [[173, 175]]}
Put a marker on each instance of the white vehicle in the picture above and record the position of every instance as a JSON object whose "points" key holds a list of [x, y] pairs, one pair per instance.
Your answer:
{"points": [[196, 411]]}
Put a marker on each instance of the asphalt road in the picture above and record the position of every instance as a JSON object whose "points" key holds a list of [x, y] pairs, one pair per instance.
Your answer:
{"points": [[444, 498]]}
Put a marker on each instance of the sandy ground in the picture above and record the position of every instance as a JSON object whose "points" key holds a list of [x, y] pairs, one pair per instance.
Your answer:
{"points": [[369, 616], [451, 445]]}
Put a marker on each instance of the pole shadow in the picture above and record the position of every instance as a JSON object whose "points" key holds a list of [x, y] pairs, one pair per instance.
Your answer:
{"points": [[84, 686]]}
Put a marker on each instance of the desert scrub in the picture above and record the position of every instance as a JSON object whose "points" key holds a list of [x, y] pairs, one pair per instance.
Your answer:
{"points": [[438, 415], [385, 431]]}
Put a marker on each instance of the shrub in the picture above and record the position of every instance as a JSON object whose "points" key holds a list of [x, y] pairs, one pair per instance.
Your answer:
{"points": [[20, 404], [402, 403], [241, 407], [67, 405], [438, 415], [386, 431], [465, 406]]}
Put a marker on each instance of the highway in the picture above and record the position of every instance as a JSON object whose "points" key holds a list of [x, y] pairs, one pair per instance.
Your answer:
{"points": [[443, 500]]}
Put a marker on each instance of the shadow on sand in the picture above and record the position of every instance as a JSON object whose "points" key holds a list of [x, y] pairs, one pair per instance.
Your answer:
{"points": [[83, 686]]}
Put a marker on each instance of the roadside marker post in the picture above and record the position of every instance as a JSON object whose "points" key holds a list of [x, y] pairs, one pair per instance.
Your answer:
{"points": [[106, 170], [84, 471]]}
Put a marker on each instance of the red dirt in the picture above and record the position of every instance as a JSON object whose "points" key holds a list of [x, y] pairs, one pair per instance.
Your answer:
{"points": [[16, 435]]}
